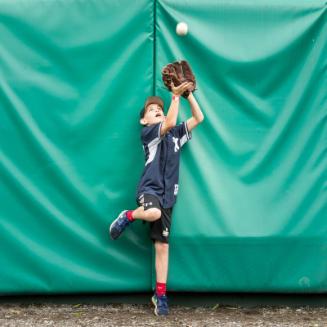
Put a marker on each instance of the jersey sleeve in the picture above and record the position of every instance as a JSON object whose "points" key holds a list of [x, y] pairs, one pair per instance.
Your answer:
{"points": [[150, 133], [182, 133]]}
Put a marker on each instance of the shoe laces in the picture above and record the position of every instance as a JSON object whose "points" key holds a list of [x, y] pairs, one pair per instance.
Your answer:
{"points": [[123, 222], [162, 302]]}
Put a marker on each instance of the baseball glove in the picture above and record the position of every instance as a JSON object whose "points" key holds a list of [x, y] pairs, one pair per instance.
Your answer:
{"points": [[177, 73]]}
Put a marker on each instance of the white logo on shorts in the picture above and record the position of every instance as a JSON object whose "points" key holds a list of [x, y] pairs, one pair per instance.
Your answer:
{"points": [[165, 233], [141, 199]]}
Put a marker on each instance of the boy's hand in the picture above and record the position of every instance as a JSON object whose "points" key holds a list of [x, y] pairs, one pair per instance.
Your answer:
{"points": [[180, 89]]}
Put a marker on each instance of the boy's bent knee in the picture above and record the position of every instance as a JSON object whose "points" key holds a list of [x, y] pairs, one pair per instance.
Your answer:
{"points": [[154, 213]]}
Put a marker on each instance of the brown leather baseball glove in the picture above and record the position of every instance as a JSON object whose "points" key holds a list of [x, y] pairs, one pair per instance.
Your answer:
{"points": [[177, 73]]}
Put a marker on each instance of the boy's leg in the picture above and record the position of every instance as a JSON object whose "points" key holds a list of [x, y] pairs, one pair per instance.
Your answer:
{"points": [[150, 215], [161, 263], [159, 298], [160, 235], [149, 210]]}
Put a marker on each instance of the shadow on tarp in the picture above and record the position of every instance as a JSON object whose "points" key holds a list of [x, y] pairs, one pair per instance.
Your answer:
{"points": [[191, 299]]}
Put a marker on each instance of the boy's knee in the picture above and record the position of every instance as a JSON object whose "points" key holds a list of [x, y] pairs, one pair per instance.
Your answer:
{"points": [[161, 247], [154, 213]]}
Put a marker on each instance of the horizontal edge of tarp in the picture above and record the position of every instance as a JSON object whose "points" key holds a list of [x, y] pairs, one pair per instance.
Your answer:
{"points": [[190, 299]]}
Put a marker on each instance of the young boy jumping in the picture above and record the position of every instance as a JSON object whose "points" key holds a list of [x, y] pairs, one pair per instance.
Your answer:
{"points": [[157, 190]]}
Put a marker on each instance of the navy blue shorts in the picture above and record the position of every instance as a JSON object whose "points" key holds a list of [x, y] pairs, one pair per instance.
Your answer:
{"points": [[159, 229]]}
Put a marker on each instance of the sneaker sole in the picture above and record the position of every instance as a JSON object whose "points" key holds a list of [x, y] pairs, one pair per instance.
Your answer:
{"points": [[155, 306]]}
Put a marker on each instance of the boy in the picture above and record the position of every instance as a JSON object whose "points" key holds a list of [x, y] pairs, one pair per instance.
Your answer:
{"points": [[158, 187]]}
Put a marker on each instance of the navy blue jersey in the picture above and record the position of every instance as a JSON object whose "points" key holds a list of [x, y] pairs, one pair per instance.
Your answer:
{"points": [[162, 156]]}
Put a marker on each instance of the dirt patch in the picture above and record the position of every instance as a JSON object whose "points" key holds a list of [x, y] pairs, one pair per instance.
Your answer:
{"points": [[142, 315]]}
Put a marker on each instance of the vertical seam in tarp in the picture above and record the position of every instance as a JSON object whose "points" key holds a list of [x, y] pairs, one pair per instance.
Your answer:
{"points": [[154, 47], [153, 271]]}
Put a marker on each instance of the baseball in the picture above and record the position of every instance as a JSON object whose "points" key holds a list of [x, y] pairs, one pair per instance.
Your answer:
{"points": [[181, 29]]}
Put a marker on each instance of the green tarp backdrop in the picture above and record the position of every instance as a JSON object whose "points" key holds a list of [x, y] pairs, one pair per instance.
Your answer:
{"points": [[251, 215]]}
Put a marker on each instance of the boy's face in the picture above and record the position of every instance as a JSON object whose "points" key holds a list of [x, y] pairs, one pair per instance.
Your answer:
{"points": [[153, 115]]}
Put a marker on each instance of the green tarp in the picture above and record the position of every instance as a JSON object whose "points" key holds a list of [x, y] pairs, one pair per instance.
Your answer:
{"points": [[251, 214]]}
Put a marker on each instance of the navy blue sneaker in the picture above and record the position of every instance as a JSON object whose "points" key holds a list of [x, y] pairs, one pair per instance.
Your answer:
{"points": [[118, 225], [161, 305]]}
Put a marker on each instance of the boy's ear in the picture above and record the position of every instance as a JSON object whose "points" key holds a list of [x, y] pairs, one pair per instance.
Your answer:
{"points": [[143, 121]]}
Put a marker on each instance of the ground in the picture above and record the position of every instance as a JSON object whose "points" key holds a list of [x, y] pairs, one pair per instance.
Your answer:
{"points": [[142, 315]]}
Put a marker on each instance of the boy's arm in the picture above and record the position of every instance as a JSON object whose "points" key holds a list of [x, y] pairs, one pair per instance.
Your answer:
{"points": [[197, 115], [172, 113]]}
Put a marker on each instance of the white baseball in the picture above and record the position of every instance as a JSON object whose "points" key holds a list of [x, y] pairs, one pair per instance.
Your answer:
{"points": [[181, 29]]}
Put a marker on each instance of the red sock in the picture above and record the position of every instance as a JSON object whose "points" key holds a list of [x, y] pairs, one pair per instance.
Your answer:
{"points": [[160, 289], [129, 215]]}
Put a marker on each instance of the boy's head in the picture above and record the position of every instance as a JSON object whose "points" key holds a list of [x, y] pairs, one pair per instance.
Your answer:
{"points": [[152, 113]]}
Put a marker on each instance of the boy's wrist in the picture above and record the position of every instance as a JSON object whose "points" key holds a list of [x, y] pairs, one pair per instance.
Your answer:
{"points": [[175, 97], [190, 96]]}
